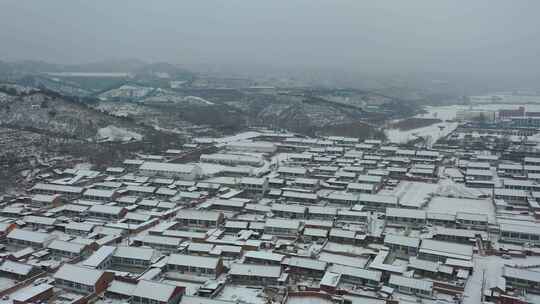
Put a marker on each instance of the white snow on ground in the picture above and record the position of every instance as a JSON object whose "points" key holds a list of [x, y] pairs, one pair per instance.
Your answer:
{"points": [[448, 188], [127, 91], [433, 132], [197, 99], [238, 137], [113, 133], [448, 113], [412, 193]]}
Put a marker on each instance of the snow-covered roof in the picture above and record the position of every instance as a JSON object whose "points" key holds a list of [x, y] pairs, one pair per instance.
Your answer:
{"points": [[198, 215], [168, 167], [66, 246], [138, 253], [406, 213], [264, 271], [191, 260], [106, 209], [282, 223], [378, 198], [264, 255], [356, 272], [41, 220], [305, 263], [522, 274], [57, 188], [99, 256], [289, 208], [99, 193], [16, 268], [77, 274], [410, 282], [84, 226], [299, 195], [30, 236], [157, 291], [446, 249], [121, 287], [401, 240]]}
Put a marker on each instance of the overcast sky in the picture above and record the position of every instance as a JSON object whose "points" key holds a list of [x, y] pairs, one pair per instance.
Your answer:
{"points": [[467, 36]]}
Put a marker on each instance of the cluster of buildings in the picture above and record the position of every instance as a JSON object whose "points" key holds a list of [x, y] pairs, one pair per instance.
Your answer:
{"points": [[278, 218]]}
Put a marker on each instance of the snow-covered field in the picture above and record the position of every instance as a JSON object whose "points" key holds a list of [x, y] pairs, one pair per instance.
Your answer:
{"points": [[127, 91], [412, 193], [439, 130], [433, 132], [113, 133]]}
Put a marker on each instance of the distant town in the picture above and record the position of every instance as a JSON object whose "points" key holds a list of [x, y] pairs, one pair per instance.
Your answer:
{"points": [[273, 216]]}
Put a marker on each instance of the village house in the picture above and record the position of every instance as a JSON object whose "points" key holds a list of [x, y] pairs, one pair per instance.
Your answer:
{"points": [[525, 279], [100, 195], [197, 218], [263, 258], [282, 227], [64, 249], [133, 256], [440, 251], [411, 285], [151, 292], [17, 271], [516, 233], [195, 265], [250, 274], [106, 212], [170, 170], [101, 258], [356, 275], [81, 279], [40, 222], [79, 228], [289, 211], [305, 266], [406, 217], [69, 192], [25, 238], [402, 245]]}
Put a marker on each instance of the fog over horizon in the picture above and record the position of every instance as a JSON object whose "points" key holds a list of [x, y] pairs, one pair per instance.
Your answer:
{"points": [[481, 38]]}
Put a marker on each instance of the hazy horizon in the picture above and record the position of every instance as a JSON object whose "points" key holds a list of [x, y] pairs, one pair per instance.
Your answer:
{"points": [[492, 39]]}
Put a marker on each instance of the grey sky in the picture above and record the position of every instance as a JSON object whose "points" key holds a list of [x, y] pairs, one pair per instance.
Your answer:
{"points": [[463, 36]]}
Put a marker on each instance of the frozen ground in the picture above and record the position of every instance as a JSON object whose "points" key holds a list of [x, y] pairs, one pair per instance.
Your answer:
{"points": [[412, 193], [446, 187], [113, 133], [433, 132], [449, 113]]}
